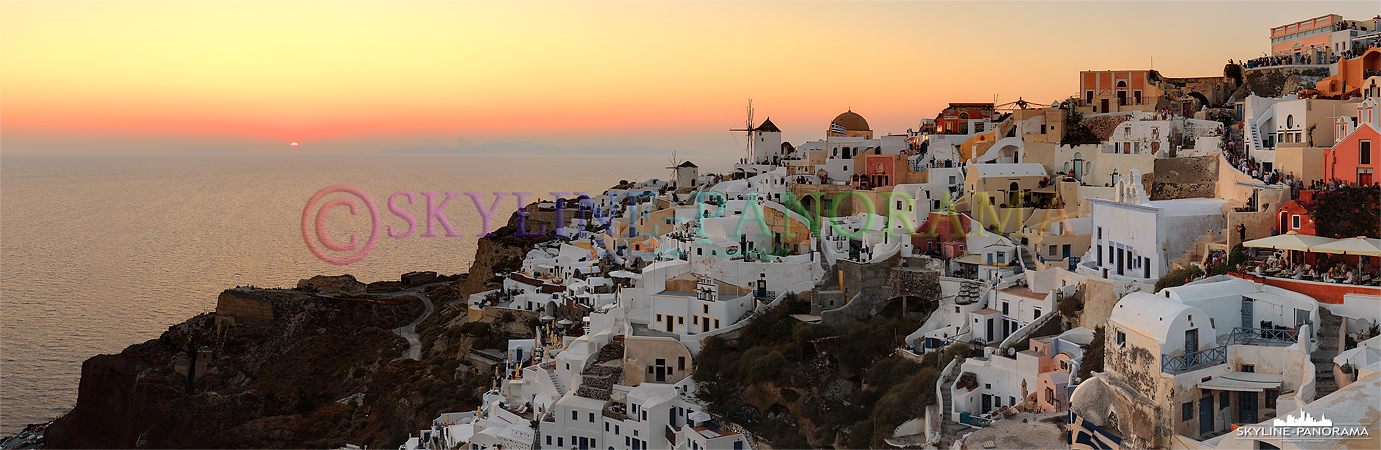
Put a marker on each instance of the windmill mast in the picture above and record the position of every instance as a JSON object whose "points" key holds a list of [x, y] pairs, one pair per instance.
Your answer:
{"points": [[748, 128]]}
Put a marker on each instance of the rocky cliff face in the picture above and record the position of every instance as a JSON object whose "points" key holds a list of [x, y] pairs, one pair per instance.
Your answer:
{"points": [[213, 383], [314, 367]]}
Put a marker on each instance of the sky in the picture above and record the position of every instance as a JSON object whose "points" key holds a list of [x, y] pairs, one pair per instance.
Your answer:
{"points": [[355, 77]]}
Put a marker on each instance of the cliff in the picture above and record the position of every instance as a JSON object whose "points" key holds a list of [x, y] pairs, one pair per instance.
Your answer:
{"points": [[312, 367]]}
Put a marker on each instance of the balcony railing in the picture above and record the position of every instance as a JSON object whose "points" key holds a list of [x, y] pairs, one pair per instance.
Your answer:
{"points": [[1195, 360], [1262, 336]]}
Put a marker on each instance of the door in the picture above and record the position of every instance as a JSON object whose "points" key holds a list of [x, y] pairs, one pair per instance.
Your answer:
{"points": [[1206, 414], [1121, 259], [705, 324], [989, 336], [1364, 178], [661, 374], [1301, 317], [987, 403], [584, 444], [1064, 250], [1103, 106], [1191, 340], [1247, 313], [1247, 411]]}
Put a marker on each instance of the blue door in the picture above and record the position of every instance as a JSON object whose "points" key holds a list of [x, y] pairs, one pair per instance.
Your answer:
{"points": [[1247, 313], [1248, 407], [1206, 415]]}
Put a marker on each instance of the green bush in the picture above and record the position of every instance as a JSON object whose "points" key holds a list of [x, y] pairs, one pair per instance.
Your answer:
{"points": [[1178, 277]]}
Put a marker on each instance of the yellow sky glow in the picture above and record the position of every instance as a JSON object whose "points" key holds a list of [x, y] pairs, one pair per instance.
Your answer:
{"points": [[259, 74]]}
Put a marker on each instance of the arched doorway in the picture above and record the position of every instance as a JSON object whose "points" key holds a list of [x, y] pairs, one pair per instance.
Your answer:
{"points": [[963, 126], [1078, 166], [1013, 195], [1122, 93]]}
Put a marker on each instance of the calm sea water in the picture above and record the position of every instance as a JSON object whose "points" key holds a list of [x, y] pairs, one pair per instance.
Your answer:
{"points": [[98, 253]]}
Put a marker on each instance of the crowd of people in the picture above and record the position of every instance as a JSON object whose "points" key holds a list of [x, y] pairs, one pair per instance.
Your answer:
{"points": [[1325, 270], [1310, 58]]}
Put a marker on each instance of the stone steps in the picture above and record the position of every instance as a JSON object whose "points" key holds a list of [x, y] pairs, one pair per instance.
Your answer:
{"points": [[1322, 357]]}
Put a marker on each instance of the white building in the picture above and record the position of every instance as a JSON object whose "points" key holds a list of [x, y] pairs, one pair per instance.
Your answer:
{"points": [[1135, 239]]}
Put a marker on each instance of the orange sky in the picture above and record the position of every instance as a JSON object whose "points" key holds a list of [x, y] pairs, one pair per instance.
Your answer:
{"points": [[111, 76]]}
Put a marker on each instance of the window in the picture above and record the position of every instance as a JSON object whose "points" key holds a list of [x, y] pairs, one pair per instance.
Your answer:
{"points": [[1248, 368], [716, 323], [592, 417], [1187, 411], [1054, 250], [1121, 338], [606, 426], [1223, 399], [1038, 314], [1294, 221], [695, 320], [705, 308], [1364, 152], [1271, 395], [680, 320], [1004, 308], [575, 415], [659, 318]]}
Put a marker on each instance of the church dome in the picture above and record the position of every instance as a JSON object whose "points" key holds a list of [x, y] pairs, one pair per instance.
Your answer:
{"points": [[851, 121]]}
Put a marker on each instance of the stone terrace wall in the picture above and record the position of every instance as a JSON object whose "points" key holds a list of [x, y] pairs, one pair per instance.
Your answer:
{"points": [[1189, 177]]}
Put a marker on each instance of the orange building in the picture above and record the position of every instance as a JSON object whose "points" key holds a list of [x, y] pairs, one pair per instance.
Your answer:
{"points": [[1355, 158], [1293, 216], [955, 119], [1351, 73], [1117, 90]]}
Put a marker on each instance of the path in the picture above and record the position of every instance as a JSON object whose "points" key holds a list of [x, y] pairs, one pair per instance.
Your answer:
{"points": [[409, 331]]}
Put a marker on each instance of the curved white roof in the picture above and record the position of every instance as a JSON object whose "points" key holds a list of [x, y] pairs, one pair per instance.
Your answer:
{"points": [[1149, 313], [1201, 291]]}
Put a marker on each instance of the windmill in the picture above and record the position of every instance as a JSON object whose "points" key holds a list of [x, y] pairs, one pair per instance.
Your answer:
{"points": [[748, 128], [1019, 104], [674, 164]]}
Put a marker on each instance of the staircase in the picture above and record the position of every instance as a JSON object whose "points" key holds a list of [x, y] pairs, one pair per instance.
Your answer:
{"points": [[1028, 261], [560, 387], [1324, 383], [1250, 131]]}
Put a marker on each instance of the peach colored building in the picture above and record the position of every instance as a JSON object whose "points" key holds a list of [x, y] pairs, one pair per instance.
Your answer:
{"points": [[1306, 37], [1117, 90]]}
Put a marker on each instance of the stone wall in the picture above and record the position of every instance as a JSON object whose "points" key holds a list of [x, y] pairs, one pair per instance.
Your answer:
{"points": [[1189, 177]]}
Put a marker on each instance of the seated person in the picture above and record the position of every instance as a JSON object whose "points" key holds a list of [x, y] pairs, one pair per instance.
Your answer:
{"points": [[1299, 270], [1349, 279], [1313, 273]]}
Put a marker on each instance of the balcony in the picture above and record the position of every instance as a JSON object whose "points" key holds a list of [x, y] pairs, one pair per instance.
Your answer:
{"points": [[1192, 361], [1263, 336]]}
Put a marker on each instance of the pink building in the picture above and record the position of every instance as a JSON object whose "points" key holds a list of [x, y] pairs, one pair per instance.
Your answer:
{"points": [[1305, 38]]}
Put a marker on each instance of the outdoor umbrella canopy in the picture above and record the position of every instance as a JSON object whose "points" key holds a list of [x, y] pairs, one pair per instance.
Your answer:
{"points": [[1289, 241], [1351, 246], [1366, 358]]}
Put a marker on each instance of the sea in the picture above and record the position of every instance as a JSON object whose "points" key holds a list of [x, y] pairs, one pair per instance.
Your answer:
{"points": [[101, 252]]}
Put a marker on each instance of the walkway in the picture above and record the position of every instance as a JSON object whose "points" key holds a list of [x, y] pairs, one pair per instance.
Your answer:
{"points": [[409, 331]]}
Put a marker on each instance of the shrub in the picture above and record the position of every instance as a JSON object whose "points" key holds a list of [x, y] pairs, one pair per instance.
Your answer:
{"points": [[1178, 277]]}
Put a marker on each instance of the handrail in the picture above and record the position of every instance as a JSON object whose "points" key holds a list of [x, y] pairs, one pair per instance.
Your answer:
{"points": [[1194, 360], [1262, 336]]}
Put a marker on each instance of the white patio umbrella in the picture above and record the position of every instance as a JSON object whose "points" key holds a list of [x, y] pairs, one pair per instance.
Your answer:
{"points": [[1288, 241], [1365, 358], [1359, 245]]}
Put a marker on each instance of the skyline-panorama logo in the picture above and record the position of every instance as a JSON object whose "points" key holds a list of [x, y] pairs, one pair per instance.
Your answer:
{"points": [[1302, 427]]}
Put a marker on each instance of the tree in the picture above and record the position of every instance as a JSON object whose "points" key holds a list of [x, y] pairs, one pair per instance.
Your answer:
{"points": [[1347, 211]]}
